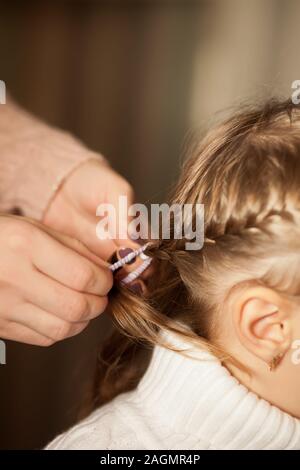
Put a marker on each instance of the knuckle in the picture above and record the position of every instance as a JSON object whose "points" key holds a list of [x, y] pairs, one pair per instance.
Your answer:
{"points": [[108, 281], [4, 329], [19, 235], [61, 331], [77, 308], [128, 190], [99, 306], [45, 342], [104, 303], [124, 187], [83, 277], [75, 330]]}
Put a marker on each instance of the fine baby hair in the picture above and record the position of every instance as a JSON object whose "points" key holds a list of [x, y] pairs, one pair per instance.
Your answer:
{"points": [[246, 172]]}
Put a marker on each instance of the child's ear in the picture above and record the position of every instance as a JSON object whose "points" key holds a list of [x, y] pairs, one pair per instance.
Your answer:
{"points": [[263, 322]]}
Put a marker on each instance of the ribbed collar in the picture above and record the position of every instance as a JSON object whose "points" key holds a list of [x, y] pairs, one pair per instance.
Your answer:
{"points": [[202, 399]]}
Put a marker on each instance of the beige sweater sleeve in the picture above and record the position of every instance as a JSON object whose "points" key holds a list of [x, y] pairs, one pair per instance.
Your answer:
{"points": [[34, 160]]}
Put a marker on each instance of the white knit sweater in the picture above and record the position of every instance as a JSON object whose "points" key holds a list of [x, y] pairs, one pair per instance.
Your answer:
{"points": [[185, 403]]}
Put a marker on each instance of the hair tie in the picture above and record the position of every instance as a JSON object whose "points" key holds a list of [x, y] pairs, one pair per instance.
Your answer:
{"points": [[126, 260]]}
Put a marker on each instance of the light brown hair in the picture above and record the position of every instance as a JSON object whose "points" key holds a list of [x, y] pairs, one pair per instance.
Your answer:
{"points": [[246, 172]]}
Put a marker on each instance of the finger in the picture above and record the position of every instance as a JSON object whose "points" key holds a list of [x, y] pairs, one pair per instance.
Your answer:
{"points": [[62, 301], [70, 268], [116, 192], [86, 229], [23, 334], [44, 323], [76, 244], [123, 217]]}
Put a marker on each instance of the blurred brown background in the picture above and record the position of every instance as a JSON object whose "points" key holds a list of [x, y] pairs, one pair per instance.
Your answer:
{"points": [[129, 78]]}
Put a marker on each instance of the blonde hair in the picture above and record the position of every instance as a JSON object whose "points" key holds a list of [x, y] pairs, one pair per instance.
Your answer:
{"points": [[246, 172]]}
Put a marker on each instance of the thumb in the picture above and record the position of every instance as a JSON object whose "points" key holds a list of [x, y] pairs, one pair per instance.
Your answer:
{"points": [[122, 198]]}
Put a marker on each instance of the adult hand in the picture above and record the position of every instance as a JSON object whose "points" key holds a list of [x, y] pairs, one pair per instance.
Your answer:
{"points": [[73, 209], [51, 286]]}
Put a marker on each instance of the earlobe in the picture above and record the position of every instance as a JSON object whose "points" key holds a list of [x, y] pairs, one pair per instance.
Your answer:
{"points": [[263, 324]]}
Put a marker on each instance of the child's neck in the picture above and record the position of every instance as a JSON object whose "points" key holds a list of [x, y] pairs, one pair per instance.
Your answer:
{"points": [[276, 387]]}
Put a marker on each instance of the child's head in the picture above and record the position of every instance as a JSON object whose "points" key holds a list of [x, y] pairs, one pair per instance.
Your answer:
{"points": [[239, 295]]}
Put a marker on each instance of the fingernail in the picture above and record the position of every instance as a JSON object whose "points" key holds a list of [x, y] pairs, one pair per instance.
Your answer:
{"points": [[136, 288], [124, 252]]}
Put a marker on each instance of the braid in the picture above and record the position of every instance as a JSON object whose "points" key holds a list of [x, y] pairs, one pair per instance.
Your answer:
{"points": [[246, 172]]}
